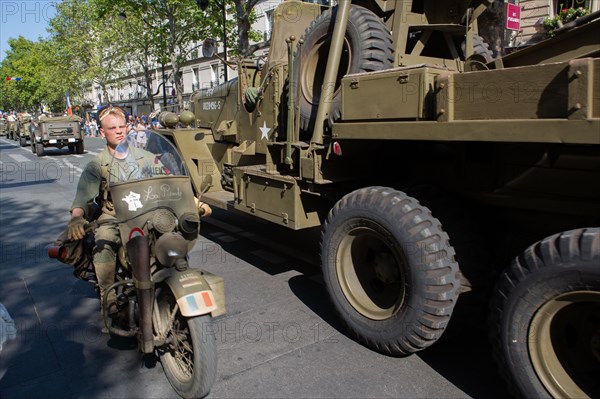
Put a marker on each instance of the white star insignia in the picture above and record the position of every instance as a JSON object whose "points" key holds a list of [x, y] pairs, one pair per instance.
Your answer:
{"points": [[264, 131]]}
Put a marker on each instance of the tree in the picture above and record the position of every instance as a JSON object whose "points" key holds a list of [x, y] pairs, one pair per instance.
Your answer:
{"points": [[491, 27], [35, 63], [245, 16], [14, 93], [173, 25], [92, 49], [141, 55], [92, 44]]}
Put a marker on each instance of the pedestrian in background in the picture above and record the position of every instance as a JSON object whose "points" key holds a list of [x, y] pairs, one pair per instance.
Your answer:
{"points": [[94, 128]]}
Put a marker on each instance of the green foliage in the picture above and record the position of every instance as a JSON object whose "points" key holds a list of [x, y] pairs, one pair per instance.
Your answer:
{"points": [[566, 15], [245, 15], [35, 63], [168, 27], [97, 42], [172, 24]]}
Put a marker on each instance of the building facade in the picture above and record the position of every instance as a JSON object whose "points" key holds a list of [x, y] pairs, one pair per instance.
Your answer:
{"points": [[533, 13], [198, 72]]}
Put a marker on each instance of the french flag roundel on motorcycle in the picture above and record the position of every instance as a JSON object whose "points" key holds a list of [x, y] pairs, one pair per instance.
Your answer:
{"points": [[133, 201], [136, 232]]}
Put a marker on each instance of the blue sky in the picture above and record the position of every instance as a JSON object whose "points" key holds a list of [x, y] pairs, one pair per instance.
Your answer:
{"points": [[27, 18]]}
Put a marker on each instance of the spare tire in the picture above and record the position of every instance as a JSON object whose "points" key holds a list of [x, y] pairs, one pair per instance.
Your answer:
{"points": [[368, 48], [481, 56]]}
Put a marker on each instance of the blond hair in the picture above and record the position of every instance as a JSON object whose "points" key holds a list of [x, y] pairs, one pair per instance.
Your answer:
{"points": [[111, 110]]}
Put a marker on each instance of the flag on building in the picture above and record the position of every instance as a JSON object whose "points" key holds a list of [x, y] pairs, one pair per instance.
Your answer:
{"points": [[69, 110], [194, 80]]}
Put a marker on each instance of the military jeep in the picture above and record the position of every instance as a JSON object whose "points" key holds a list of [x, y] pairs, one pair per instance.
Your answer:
{"points": [[24, 129], [56, 131], [3, 127], [12, 129]]}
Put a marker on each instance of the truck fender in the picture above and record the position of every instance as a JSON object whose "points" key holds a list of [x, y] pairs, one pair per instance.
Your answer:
{"points": [[192, 291]]}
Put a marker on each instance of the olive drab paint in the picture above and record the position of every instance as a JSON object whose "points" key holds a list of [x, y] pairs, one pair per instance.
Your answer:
{"points": [[420, 108]]}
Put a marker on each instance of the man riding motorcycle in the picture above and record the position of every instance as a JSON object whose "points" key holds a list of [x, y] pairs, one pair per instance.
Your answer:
{"points": [[93, 184]]}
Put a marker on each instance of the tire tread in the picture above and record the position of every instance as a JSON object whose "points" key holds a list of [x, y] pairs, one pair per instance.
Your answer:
{"points": [[562, 250], [439, 276]]}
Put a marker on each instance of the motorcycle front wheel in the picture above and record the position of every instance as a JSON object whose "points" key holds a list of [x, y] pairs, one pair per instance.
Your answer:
{"points": [[189, 355]]}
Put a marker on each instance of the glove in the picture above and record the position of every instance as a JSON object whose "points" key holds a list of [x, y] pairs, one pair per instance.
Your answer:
{"points": [[75, 228], [203, 209]]}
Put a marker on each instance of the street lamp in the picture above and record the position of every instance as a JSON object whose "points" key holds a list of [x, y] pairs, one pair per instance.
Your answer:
{"points": [[164, 84], [222, 5]]}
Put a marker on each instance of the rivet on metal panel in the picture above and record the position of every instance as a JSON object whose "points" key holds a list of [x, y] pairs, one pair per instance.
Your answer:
{"points": [[578, 73], [354, 84], [402, 79], [285, 217], [253, 207]]}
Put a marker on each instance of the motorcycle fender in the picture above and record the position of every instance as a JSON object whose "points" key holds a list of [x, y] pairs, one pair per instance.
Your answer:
{"points": [[191, 290]]}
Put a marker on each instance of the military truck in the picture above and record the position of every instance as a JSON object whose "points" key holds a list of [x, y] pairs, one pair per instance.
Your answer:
{"points": [[11, 127], [56, 131], [3, 126], [442, 179]]}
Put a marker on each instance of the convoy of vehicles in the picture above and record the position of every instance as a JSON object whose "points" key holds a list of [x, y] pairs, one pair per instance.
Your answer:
{"points": [[433, 170], [19, 129]]}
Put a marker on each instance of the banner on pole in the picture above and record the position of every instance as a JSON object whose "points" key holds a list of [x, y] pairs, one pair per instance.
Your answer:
{"points": [[513, 17]]}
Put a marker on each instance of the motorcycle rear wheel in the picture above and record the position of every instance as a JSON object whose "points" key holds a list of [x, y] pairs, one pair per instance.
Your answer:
{"points": [[189, 355]]}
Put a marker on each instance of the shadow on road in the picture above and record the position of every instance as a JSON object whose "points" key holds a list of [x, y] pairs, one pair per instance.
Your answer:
{"points": [[462, 355]]}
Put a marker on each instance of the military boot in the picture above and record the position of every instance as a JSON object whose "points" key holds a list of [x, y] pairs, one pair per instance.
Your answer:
{"points": [[105, 274]]}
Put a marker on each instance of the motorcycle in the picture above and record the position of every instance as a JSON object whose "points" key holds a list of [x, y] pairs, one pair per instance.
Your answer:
{"points": [[161, 301]]}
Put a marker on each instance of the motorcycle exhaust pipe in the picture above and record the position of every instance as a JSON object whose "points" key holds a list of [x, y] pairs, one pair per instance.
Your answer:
{"points": [[138, 252]]}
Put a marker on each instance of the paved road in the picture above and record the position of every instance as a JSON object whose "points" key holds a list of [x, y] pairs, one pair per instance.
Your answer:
{"points": [[278, 339]]}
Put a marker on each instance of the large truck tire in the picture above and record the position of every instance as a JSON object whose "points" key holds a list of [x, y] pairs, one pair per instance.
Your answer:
{"points": [[482, 54], [389, 269], [22, 141], [368, 48], [481, 48], [464, 223], [545, 318], [79, 147]]}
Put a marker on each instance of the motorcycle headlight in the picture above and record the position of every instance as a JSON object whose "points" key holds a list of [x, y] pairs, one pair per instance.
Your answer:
{"points": [[169, 247], [164, 221]]}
